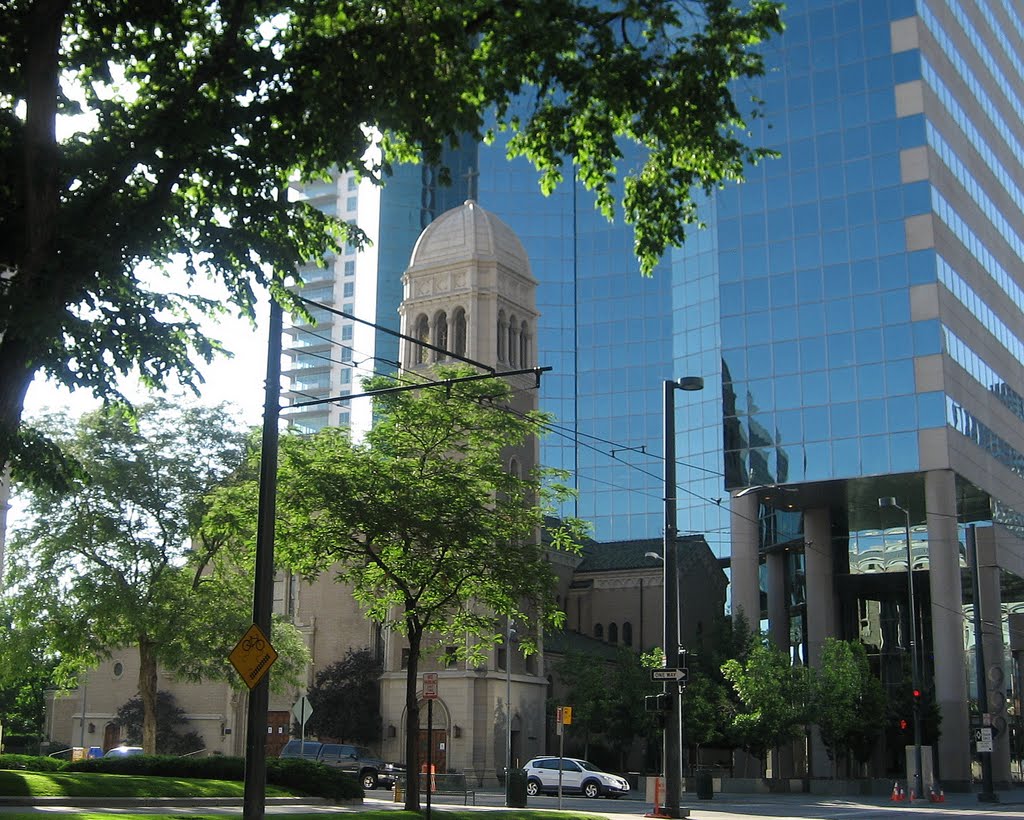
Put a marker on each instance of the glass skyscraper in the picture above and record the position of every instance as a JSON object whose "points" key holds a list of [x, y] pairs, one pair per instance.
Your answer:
{"points": [[856, 311], [870, 304]]}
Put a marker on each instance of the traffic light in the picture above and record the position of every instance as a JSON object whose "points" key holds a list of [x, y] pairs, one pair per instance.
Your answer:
{"points": [[661, 702], [916, 695], [903, 724]]}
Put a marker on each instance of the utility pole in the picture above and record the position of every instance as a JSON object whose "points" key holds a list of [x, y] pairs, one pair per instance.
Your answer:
{"points": [[673, 722], [255, 790]]}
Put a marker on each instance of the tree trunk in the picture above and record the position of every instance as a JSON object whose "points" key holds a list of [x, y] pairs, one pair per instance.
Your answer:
{"points": [[412, 725], [147, 693], [34, 251]]}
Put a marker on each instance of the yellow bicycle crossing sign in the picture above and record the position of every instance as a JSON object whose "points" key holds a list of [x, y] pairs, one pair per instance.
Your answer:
{"points": [[253, 656]]}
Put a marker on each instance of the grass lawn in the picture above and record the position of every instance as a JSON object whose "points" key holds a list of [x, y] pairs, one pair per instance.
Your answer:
{"points": [[88, 784], [373, 814]]}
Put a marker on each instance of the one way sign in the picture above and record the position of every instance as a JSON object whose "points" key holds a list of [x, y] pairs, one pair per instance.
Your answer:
{"points": [[681, 675]]}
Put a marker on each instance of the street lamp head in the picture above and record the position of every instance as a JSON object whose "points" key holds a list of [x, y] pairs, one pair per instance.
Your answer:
{"points": [[888, 502], [690, 383], [654, 555]]}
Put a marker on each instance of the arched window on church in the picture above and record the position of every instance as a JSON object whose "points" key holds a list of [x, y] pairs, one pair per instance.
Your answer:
{"points": [[440, 335], [627, 633], [524, 345], [513, 340], [599, 631], [502, 335], [422, 333], [613, 633], [514, 469], [459, 331]]}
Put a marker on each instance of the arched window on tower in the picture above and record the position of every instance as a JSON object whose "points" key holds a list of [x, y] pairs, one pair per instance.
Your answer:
{"points": [[599, 632], [524, 345], [422, 334], [513, 341], [459, 331], [613, 633], [440, 335], [502, 335], [627, 633]]}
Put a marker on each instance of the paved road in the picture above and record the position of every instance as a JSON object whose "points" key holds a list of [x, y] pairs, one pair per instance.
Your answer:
{"points": [[722, 807]]}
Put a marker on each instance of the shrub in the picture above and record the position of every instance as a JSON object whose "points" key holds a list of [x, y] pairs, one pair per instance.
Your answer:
{"points": [[31, 763], [305, 776]]}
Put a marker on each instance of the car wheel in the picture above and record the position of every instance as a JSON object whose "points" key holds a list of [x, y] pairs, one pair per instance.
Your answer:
{"points": [[532, 788], [369, 780], [592, 789]]}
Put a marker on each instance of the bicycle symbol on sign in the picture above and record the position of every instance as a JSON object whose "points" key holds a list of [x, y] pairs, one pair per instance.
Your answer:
{"points": [[249, 644]]}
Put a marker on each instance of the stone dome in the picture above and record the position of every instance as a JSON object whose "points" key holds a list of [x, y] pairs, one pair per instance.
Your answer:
{"points": [[469, 232]]}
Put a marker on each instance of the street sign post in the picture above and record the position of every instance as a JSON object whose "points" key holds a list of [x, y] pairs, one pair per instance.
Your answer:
{"points": [[302, 710], [430, 685]]}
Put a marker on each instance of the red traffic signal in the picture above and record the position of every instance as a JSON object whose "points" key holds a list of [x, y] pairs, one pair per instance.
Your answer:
{"points": [[903, 724]]}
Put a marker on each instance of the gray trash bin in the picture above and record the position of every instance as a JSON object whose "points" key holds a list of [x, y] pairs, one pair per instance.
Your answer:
{"points": [[705, 785], [515, 789]]}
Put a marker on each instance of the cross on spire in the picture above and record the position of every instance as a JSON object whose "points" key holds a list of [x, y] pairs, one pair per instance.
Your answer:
{"points": [[471, 182]]}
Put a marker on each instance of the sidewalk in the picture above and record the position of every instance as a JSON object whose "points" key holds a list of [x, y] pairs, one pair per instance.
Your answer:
{"points": [[720, 807]]}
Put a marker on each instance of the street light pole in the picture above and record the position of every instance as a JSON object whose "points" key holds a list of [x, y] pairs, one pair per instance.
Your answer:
{"points": [[509, 632], [673, 725], [915, 674]]}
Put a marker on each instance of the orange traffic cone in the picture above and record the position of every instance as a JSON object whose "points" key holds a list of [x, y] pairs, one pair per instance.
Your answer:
{"points": [[903, 794], [895, 796]]}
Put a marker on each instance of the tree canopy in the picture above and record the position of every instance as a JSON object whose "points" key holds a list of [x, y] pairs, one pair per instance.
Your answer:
{"points": [[120, 558], [774, 698], [345, 698], [849, 701], [165, 130], [170, 718], [436, 539]]}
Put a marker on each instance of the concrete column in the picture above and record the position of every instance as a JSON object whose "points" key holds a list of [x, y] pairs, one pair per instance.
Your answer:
{"points": [[778, 599], [996, 674], [954, 763], [777, 565], [820, 592], [821, 610], [746, 587]]}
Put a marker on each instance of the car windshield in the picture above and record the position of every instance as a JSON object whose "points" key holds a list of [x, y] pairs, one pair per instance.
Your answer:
{"points": [[590, 767]]}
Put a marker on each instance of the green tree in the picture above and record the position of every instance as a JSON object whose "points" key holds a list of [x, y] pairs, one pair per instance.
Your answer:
{"points": [[849, 701], [774, 698], [194, 113], [710, 702], [170, 717], [345, 698], [421, 519], [585, 678], [22, 699], [120, 559], [627, 715]]}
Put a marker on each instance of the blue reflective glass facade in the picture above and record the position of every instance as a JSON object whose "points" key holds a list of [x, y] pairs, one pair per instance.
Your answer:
{"points": [[606, 333]]}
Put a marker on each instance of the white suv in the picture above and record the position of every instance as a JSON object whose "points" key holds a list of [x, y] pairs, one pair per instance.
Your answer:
{"points": [[578, 776]]}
